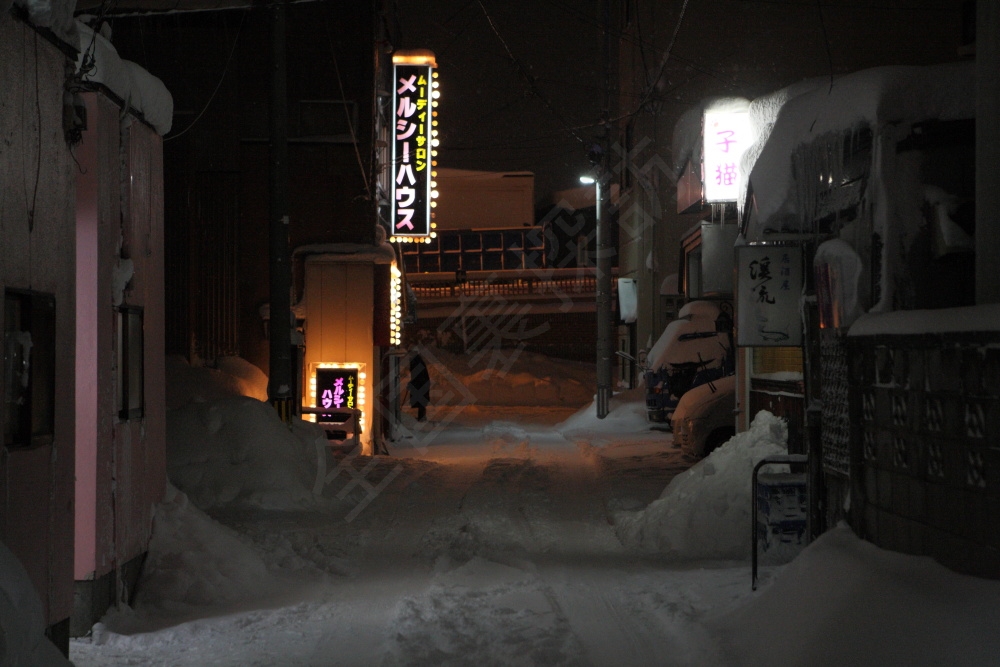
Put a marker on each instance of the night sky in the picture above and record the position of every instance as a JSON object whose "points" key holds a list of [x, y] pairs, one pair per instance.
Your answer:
{"points": [[525, 93], [534, 112]]}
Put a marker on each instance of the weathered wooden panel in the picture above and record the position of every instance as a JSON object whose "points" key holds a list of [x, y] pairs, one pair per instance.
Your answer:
{"points": [[37, 253]]}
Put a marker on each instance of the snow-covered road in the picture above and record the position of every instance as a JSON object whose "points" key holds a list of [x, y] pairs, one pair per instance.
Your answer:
{"points": [[503, 535], [493, 544]]}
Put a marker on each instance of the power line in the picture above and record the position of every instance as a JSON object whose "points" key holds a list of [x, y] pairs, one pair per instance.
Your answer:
{"points": [[527, 75], [225, 69]]}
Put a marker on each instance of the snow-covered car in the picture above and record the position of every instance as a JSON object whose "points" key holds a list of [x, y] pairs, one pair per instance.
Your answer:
{"points": [[704, 417], [693, 349]]}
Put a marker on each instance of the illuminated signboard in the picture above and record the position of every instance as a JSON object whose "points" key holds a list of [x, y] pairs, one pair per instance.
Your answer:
{"points": [[414, 142], [727, 135], [337, 388], [769, 288]]}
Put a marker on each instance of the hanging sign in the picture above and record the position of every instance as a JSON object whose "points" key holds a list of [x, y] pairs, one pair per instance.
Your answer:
{"points": [[769, 287], [726, 135], [413, 145]]}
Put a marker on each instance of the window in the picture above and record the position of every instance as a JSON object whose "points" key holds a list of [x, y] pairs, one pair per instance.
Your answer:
{"points": [[29, 345], [130, 370]]}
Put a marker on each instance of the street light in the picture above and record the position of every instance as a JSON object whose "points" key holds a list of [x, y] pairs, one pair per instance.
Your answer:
{"points": [[603, 301]]}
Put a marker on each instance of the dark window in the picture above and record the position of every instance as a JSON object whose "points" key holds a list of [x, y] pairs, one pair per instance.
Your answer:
{"points": [[29, 327], [130, 369]]}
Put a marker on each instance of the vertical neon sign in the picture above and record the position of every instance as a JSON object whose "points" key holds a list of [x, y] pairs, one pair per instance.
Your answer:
{"points": [[414, 145], [727, 135]]}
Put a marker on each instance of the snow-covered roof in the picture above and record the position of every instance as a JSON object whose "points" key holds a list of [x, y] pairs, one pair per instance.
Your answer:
{"points": [[98, 62], [136, 87], [870, 98]]}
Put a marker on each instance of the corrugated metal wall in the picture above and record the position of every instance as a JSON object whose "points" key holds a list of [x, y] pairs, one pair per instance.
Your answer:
{"points": [[214, 253]]}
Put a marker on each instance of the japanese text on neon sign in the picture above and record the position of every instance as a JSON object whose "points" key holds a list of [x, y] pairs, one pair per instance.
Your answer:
{"points": [[337, 388], [411, 150], [727, 135]]}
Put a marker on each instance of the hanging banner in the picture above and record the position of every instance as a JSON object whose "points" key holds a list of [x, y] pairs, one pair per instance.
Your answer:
{"points": [[413, 140], [769, 287]]}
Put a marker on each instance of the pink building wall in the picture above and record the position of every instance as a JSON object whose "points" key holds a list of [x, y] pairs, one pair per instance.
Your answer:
{"points": [[37, 214], [120, 464]]}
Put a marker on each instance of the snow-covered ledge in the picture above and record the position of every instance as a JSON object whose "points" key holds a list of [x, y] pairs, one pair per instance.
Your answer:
{"points": [[968, 319]]}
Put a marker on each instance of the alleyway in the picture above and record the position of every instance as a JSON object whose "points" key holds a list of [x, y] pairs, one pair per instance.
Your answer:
{"points": [[511, 536], [493, 545]]}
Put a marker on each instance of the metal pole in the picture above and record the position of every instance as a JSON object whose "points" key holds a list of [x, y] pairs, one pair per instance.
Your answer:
{"points": [[604, 252], [279, 386], [604, 245], [987, 151]]}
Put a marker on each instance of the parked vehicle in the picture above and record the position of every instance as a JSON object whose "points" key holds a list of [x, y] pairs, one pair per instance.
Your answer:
{"points": [[694, 349], [704, 417]]}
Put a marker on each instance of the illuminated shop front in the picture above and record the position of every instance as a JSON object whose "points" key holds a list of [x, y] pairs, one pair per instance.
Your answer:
{"points": [[350, 313]]}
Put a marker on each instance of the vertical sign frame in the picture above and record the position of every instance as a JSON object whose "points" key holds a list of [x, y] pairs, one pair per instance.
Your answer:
{"points": [[414, 146], [769, 281]]}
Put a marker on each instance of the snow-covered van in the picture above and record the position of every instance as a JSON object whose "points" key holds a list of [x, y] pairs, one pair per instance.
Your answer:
{"points": [[695, 348]]}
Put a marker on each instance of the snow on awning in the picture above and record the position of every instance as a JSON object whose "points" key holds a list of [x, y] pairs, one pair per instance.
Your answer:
{"points": [[871, 98]]}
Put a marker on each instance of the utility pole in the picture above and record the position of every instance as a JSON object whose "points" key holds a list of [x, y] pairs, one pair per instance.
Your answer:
{"points": [[279, 385], [605, 248], [987, 151]]}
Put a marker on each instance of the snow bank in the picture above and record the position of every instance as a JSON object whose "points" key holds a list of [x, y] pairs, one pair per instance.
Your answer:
{"points": [[626, 414], [844, 601], [507, 377], [196, 561], [233, 377], [704, 513], [22, 620], [238, 451]]}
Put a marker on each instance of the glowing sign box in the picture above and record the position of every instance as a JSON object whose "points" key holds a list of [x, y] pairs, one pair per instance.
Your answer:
{"points": [[336, 389], [727, 135], [413, 142]]}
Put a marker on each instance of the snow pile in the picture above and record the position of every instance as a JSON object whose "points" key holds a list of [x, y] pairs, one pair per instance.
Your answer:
{"points": [[195, 561], [238, 451], [22, 620], [844, 601], [626, 414], [507, 377], [704, 513], [233, 377]]}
